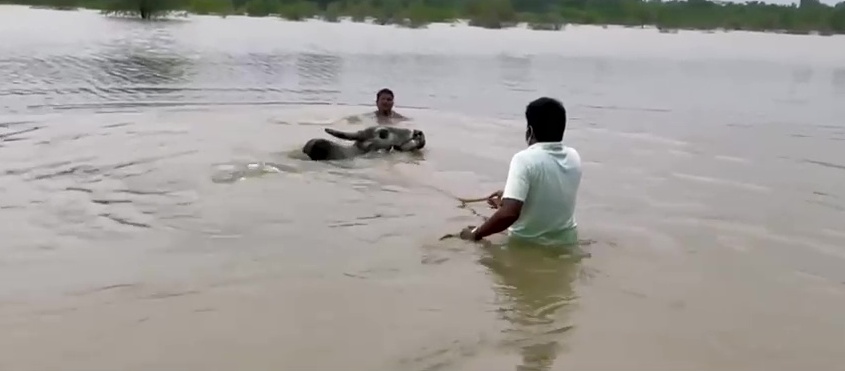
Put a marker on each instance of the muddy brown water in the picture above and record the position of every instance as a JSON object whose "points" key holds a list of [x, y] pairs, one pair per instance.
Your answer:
{"points": [[713, 197]]}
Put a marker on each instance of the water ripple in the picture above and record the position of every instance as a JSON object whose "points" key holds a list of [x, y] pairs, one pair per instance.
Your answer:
{"points": [[137, 151]]}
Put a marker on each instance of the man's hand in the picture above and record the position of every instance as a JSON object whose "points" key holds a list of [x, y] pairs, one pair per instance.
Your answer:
{"points": [[495, 199], [466, 234]]}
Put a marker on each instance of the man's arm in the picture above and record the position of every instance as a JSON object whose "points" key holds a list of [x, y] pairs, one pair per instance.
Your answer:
{"points": [[513, 197]]}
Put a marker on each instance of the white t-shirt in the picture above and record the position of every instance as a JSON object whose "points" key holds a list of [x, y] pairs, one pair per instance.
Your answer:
{"points": [[545, 177]]}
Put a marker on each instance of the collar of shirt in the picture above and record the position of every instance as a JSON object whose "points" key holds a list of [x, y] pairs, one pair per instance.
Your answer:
{"points": [[548, 146]]}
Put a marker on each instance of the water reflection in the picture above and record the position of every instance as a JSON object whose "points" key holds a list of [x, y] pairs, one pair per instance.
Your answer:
{"points": [[134, 69], [838, 81], [536, 293], [516, 72], [800, 76], [320, 71], [263, 68], [601, 70], [147, 54]]}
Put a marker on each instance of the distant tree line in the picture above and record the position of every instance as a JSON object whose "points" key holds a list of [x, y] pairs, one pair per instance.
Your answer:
{"points": [[809, 16]]}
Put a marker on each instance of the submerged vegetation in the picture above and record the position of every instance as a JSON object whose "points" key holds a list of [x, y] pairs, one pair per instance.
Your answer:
{"points": [[809, 16]]}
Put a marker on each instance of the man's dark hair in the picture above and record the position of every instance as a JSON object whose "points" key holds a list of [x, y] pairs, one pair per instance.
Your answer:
{"points": [[547, 119], [384, 91]]}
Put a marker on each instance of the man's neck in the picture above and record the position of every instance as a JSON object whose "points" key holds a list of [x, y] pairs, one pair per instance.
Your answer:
{"points": [[546, 142], [554, 144]]}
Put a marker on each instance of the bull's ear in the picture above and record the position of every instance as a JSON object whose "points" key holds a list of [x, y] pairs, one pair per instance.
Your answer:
{"points": [[354, 136]]}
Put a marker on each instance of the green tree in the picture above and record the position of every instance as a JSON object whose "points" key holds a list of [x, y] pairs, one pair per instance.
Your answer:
{"points": [[490, 13], [222, 7], [297, 10], [261, 8], [333, 12], [146, 9], [805, 17]]}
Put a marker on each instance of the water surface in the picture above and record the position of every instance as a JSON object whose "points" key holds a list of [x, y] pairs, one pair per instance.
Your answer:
{"points": [[713, 192]]}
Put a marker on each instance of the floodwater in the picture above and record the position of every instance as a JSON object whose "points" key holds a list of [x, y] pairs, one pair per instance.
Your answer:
{"points": [[134, 235]]}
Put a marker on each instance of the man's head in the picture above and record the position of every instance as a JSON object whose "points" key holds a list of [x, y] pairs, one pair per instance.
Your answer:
{"points": [[384, 101], [546, 120]]}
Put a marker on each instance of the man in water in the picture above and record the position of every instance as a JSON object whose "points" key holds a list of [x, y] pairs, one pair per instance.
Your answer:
{"points": [[537, 205], [384, 108]]}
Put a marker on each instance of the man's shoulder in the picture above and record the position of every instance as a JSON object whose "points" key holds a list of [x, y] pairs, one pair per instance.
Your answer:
{"points": [[522, 153], [524, 157], [573, 154], [534, 154], [546, 157]]}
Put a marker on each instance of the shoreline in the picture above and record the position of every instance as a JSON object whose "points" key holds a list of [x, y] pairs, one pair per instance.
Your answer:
{"points": [[407, 23]]}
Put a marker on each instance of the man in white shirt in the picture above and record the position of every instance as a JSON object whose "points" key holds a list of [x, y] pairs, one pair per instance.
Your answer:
{"points": [[537, 205]]}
